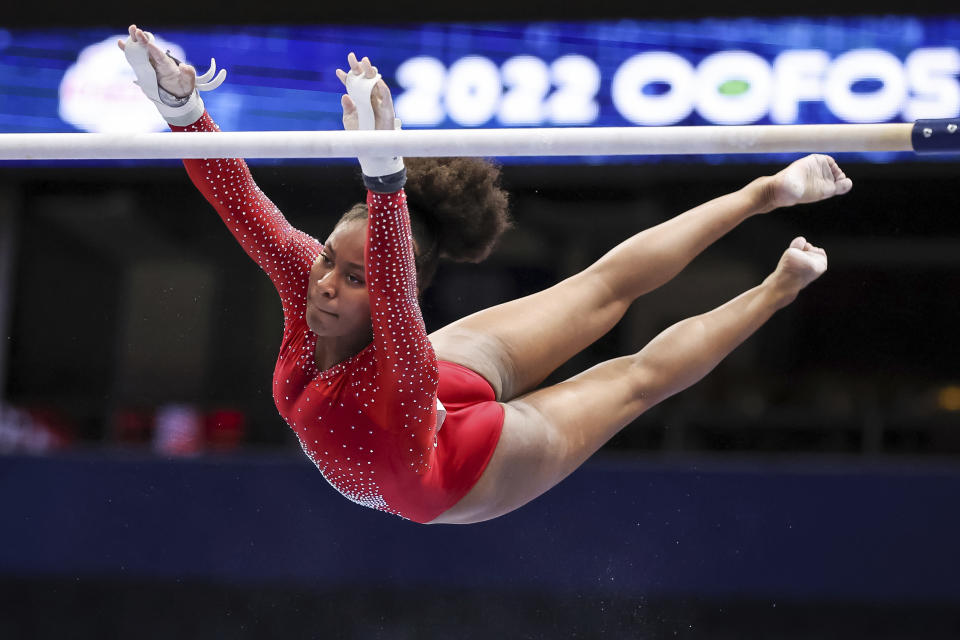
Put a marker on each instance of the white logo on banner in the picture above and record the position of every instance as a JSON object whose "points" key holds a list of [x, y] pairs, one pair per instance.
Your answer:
{"points": [[97, 93], [664, 88]]}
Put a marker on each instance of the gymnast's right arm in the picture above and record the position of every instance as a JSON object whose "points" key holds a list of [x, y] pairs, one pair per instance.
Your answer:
{"points": [[283, 252]]}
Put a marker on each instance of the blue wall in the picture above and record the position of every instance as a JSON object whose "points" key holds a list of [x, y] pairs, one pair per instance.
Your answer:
{"points": [[815, 531]]}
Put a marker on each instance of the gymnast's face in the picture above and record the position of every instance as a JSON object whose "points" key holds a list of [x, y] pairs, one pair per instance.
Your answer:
{"points": [[338, 305]]}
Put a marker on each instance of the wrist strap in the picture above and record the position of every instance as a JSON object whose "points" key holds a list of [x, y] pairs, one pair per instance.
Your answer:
{"points": [[386, 184]]}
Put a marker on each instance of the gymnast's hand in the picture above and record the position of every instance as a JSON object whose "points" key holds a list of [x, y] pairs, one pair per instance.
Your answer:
{"points": [[380, 98], [816, 177], [178, 78], [800, 264]]}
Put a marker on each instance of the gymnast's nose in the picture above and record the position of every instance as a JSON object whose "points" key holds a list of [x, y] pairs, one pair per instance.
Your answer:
{"points": [[326, 285]]}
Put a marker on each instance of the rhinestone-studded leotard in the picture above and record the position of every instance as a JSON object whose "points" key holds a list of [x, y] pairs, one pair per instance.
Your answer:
{"points": [[369, 422]]}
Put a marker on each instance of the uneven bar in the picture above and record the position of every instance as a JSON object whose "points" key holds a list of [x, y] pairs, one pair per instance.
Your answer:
{"points": [[936, 136], [597, 141]]}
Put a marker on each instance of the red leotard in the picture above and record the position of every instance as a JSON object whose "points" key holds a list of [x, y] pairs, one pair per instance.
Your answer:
{"points": [[369, 422]]}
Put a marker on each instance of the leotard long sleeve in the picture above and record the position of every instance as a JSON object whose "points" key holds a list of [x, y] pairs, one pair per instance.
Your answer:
{"points": [[369, 422]]}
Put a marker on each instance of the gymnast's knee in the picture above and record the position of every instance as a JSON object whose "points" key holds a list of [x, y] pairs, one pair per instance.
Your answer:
{"points": [[642, 380]]}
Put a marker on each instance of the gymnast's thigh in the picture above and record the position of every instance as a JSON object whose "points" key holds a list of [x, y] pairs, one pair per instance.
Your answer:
{"points": [[517, 344], [480, 352], [549, 433], [481, 502], [513, 475]]}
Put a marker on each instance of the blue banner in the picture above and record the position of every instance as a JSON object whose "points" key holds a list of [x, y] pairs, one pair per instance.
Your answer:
{"points": [[655, 73]]}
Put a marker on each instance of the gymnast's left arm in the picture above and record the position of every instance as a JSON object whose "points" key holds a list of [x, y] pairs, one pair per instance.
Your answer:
{"points": [[405, 358]]}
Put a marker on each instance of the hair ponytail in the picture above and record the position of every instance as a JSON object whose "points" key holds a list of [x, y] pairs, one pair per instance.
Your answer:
{"points": [[457, 208]]}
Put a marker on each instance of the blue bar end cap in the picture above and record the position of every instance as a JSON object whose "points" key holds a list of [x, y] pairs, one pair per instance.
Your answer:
{"points": [[936, 136]]}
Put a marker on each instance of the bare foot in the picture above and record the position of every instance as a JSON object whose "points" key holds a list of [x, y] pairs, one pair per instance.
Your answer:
{"points": [[800, 264], [810, 179]]}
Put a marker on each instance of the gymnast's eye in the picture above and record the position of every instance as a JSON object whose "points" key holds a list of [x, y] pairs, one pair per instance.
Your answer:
{"points": [[354, 279], [327, 262]]}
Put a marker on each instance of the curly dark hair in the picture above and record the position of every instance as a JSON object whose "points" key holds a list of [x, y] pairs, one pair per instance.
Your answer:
{"points": [[457, 211]]}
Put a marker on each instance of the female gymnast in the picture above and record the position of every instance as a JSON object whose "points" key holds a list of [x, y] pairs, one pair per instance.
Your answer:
{"points": [[451, 427]]}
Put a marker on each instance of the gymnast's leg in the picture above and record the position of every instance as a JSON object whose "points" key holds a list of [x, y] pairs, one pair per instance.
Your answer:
{"points": [[517, 344], [550, 432]]}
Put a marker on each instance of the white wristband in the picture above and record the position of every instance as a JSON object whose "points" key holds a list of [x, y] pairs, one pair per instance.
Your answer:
{"points": [[359, 89], [181, 115]]}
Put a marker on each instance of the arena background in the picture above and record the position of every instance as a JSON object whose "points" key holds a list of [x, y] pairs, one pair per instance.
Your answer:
{"points": [[806, 488]]}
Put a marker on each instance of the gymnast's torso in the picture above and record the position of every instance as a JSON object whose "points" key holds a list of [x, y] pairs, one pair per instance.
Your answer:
{"points": [[369, 423]]}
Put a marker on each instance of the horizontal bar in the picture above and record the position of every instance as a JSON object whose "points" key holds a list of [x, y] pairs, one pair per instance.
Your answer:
{"points": [[936, 136], [595, 141]]}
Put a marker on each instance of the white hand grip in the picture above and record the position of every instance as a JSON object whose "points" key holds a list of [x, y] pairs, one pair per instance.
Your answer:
{"points": [[359, 89]]}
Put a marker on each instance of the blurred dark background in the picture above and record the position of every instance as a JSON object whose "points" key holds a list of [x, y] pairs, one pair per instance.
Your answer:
{"points": [[129, 297], [806, 488]]}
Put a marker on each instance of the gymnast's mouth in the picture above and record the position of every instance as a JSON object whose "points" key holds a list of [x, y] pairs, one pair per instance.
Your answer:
{"points": [[329, 313]]}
